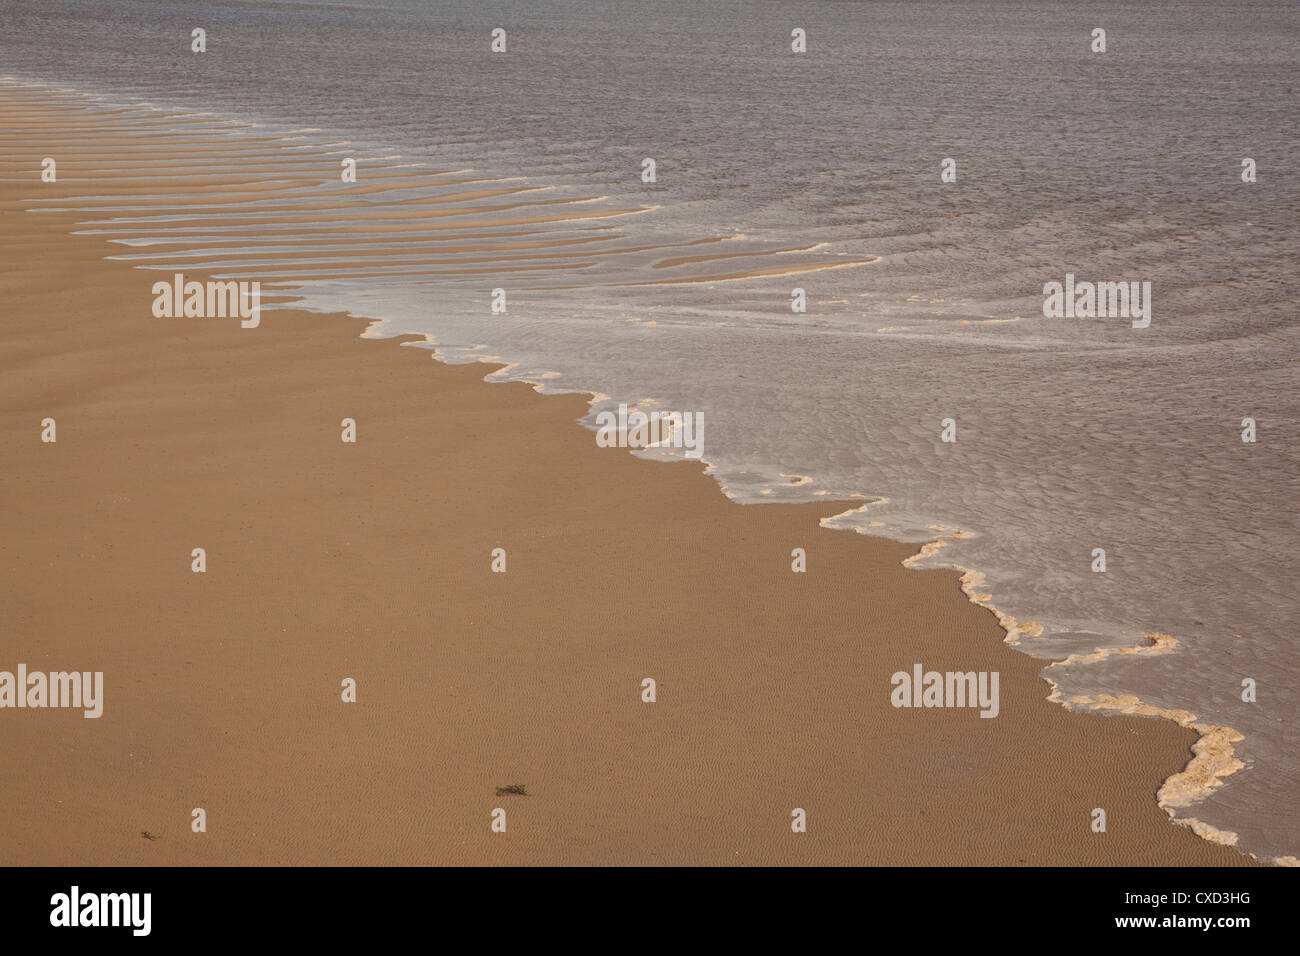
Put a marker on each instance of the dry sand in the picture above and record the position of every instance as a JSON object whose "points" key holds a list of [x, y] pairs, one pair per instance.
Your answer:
{"points": [[328, 560]]}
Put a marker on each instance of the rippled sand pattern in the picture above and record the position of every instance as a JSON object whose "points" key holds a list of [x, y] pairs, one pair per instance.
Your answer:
{"points": [[196, 192]]}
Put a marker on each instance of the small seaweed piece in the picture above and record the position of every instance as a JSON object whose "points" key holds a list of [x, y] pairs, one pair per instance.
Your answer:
{"points": [[147, 835], [515, 789]]}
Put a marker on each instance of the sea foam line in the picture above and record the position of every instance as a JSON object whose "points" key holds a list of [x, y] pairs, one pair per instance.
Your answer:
{"points": [[1213, 754]]}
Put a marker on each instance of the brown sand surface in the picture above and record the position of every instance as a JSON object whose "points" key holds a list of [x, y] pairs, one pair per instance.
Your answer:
{"points": [[370, 561]]}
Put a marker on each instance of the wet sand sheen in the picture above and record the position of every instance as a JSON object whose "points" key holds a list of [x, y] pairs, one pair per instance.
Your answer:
{"points": [[371, 561], [99, 154]]}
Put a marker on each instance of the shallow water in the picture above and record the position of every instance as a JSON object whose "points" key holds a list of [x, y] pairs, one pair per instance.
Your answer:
{"points": [[1072, 434]]}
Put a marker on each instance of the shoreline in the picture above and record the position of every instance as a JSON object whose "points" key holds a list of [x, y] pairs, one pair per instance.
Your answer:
{"points": [[1213, 755], [194, 341]]}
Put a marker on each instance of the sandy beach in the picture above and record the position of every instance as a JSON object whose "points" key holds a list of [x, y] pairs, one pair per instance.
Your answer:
{"points": [[371, 560]]}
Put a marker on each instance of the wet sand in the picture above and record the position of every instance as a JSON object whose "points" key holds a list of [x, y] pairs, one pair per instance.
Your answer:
{"points": [[371, 561]]}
